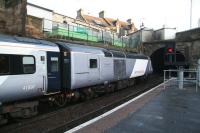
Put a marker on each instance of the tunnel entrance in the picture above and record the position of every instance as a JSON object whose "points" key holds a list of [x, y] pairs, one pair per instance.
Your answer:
{"points": [[157, 60], [160, 61]]}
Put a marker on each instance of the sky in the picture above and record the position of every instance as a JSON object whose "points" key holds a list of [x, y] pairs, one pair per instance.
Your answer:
{"points": [[153, 13]]}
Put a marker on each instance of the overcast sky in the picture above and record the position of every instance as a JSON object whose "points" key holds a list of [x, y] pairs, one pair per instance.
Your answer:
{"points": [[154, 13]]}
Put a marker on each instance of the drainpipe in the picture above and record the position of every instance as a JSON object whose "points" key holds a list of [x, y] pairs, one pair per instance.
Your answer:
{"points": [[198, 71]]}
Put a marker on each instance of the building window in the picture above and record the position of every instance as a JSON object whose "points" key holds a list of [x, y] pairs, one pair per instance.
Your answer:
{"points": [[2, 4], [93, 63], [4, 64]]}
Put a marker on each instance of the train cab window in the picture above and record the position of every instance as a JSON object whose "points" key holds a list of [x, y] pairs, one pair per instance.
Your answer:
{"points": [[28, 65], [107, 54], [4, 64], [118, 54], [93, 63], [54, 64]]}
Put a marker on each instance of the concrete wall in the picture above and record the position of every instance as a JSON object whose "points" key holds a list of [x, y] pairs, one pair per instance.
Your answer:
{"points": [[147, 35], [42, 13], [140, 37], [165, 34]]}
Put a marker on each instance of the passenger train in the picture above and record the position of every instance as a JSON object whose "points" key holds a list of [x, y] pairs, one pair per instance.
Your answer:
{"points": [[31, 69]]}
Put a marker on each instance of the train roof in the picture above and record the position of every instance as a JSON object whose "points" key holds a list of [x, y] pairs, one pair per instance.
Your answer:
{"points": [[81, 48], [50, 46], [28, 41], [96, 50]]}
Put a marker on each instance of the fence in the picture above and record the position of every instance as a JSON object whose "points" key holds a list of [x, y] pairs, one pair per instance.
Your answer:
{"points": [[80, 32], [181, 78]]}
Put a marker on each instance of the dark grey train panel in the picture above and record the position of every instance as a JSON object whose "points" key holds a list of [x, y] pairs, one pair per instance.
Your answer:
{"points": [[119, 69], [149, 68], [136, 56], [118, 54]]}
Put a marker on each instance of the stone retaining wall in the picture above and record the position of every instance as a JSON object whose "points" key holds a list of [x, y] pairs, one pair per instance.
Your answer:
{"points": [[13, 17]]}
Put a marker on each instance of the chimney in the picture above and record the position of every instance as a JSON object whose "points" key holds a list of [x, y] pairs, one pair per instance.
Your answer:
{"points": [[129, 21], [102, 14], [79, 12]]}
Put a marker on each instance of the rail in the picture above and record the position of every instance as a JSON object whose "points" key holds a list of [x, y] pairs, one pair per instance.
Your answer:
{"points": [[182, 77]]}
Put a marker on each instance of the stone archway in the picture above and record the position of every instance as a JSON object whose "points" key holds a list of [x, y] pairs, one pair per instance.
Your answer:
{"points": [[157, 59]]}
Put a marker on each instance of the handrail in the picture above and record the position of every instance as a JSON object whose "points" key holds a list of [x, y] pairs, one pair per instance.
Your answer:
{"points": [[181, 76]]}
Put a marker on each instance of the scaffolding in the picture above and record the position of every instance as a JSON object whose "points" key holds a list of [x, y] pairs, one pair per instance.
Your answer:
{"points": [[54, 29]]}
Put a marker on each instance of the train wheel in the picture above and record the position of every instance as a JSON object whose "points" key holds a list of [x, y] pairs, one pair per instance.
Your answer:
{"points": [[60, 100], [76, 96], [3, 120], [132, 82]]}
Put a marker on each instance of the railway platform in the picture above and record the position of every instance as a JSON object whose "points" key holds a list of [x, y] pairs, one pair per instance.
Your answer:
{"points": [[160, 110]]}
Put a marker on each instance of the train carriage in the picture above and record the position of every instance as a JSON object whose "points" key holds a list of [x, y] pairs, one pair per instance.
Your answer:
{"points": [[92, 66], [31, 69], [24, 72]]}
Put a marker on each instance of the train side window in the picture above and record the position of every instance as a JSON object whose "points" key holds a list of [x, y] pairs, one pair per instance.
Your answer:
{"points": [[28, 65], [4, 64], [54, 64], [93, 63]]}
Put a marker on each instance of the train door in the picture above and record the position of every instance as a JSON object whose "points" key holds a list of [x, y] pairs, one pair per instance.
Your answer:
{"points": [[94, 68], [65, 70], [53, 72]]}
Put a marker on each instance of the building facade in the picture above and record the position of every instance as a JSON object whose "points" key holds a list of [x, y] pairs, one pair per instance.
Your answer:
{"points": [[114, 25]]}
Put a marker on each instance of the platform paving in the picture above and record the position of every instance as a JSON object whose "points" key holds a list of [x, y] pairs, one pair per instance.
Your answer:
{"points": [[171, 110]]}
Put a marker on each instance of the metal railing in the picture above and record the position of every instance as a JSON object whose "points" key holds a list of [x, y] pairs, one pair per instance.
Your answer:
{"points": [[75, 31], [181, 77]]}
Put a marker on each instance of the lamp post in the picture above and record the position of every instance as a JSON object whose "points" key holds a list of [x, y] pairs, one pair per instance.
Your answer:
{"points": [[190, 14]]}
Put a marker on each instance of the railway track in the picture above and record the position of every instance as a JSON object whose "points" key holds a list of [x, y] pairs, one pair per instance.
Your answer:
{"points": [[66, 118]]}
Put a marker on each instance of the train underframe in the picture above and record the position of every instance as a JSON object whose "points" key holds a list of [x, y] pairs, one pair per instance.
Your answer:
{"points": [[30, 108]]}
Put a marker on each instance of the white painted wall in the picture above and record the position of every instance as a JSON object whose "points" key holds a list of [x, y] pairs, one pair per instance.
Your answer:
{"points": [[169, 34], [41, 13], [165, 34], [147, 35]]}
